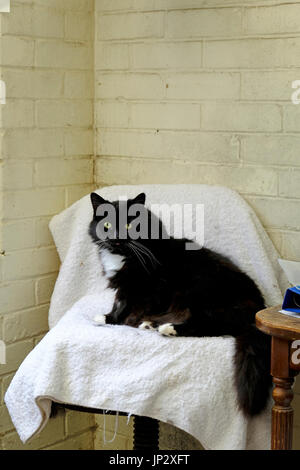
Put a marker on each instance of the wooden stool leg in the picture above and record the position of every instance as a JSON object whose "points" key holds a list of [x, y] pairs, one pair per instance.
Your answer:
{"points": [[282, 412], [146, 433]]}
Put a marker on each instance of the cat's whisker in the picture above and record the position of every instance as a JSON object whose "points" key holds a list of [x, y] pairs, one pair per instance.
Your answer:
{"points": [[139, 257], [142, 252], [151, 259], [153, 263], [100, 242], [101, 245], [146, 251]]}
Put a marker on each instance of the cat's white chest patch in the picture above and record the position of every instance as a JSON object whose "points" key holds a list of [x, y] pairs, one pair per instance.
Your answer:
{"points": [[111, 263]]}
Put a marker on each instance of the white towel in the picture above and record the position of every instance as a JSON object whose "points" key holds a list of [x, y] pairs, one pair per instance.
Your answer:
{"points": [[184, 381]]}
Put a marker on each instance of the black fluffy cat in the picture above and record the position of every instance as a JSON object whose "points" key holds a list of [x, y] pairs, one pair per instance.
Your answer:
{"points": [[161, 285]]}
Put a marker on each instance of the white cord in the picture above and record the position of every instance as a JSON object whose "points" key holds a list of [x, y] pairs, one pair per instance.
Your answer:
{"points": [[104, 428]]}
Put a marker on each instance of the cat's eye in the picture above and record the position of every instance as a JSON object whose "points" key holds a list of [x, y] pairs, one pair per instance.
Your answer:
{"points": [[128, 226], [107, 225]]}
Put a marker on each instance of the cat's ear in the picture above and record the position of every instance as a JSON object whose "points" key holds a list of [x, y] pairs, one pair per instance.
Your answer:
{"points": [[140, 199], [97, 201]]}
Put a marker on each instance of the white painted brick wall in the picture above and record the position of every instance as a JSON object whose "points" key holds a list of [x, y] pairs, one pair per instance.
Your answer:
{"points": [[202, 96], [271, 52], [23, 83], [189, 146], [291, 118], [130, 26], [65, 55], [272, 19], [204, 23], [63, 114], [163, 55], [165, 116], [112, 56], [203, 86], [186, 91], [241, 117], [47, 147], [221, 78], [129, 86]]}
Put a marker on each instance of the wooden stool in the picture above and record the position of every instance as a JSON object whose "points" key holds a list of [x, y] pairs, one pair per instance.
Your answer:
{"points": [[285, 365]]}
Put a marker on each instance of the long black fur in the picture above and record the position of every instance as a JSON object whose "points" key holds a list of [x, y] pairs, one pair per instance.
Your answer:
{"points": [[202, 293]]}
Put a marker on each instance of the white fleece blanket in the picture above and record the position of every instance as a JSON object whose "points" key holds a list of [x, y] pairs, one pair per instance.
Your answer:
{"points": [[184, 381]]}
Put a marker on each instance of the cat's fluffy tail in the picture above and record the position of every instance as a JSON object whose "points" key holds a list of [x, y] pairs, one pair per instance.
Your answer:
{"points": [[252, 370]]}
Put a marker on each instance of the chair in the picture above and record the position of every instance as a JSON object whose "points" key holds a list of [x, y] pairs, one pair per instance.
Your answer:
{"points": [[226, 216], [145, 430]]}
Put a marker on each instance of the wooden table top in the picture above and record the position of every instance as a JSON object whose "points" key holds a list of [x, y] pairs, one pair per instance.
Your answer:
{"points": [[274, 323]]}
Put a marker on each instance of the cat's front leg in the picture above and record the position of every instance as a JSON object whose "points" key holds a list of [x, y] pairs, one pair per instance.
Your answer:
{"points": [[165, 329], [114, 317], [187, 328], [169, 323], [103, 319], [148, 325]]}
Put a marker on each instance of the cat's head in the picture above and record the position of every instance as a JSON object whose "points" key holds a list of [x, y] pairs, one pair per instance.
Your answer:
{"points": [[119, 225]]}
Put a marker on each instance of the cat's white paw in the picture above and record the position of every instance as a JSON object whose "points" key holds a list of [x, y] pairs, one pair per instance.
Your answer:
{"points": [[147, 325], [167, 330], [100, 319]]}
